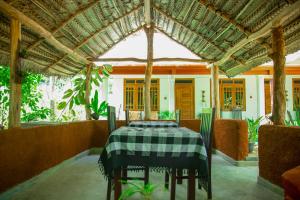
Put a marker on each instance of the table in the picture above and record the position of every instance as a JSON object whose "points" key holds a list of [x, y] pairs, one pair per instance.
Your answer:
{"points": [[156, 148], [155, 124]]}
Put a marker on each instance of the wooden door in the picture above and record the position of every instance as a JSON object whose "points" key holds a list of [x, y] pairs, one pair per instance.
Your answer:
{"points": [[184, 98], [268, 96]]}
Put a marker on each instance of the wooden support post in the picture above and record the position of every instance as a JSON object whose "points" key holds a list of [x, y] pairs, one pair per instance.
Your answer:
{"points": [[278, 57], [215, 90], [88, 91], [15, 75], [147, 99]]}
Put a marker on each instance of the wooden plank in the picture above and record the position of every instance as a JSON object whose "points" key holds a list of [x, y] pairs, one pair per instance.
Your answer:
{"points": [[215, 90], [15, 75], [139, 60], [37, 28], [278, 56], [285, 13], [88, 91], [147, 106]]}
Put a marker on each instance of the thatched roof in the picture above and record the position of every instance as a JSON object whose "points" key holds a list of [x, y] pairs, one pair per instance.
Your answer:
{"points": [[236, 35]]}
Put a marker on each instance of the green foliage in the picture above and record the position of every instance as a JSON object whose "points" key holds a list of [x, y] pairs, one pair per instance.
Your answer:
{"points": [[166, 115], [294, 122], [253, 126], [76, 96], [135, 187], [30, 110], [98, 110]]}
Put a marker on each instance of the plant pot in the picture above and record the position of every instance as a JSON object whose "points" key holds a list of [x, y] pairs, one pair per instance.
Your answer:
{"points": [[95, 116], [250, 147]]}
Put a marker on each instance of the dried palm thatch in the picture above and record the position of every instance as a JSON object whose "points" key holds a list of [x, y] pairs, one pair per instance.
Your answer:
{"points": [[236, 35]]}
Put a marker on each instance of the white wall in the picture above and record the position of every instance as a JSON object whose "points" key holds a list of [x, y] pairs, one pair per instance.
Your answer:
{"points": [[254, 93]]}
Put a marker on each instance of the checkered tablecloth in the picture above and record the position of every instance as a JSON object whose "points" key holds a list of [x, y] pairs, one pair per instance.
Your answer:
{"points": [[156, 124], [157, 148]]}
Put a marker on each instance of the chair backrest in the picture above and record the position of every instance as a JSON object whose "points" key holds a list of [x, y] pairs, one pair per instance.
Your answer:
{"points": [[177, 117], [111, 119], [127, 116], [290, 117], [206, 131], [236, 113]]}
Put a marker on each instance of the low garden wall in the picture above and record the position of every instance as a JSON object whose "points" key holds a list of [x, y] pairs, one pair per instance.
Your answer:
{"points": [[279, 151], [231, 138], [26, 152]]}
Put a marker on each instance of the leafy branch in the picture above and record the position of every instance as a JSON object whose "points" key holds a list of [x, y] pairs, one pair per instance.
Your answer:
{"points": [[76, 95]]}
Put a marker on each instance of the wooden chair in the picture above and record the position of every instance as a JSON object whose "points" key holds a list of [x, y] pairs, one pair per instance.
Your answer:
{"points": [[111, 120], [206, 131], [127, 116], [178, 117], [237, 113]]}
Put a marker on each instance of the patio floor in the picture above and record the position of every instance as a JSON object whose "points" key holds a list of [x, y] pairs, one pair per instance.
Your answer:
{"points": [[82, 180]]}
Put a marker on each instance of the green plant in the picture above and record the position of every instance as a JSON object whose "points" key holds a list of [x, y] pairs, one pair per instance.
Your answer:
{"points": [[98, 110], [76, 95], [135, 187], [30, 109], [253, 126], [166, 115], [294, 122]]}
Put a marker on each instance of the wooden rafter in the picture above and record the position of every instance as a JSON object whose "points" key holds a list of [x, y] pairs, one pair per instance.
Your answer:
{"points": [[169, 17], [14, 13], [139, 60], [208, 40], [287, 12], [94, 35], [225, 16]]}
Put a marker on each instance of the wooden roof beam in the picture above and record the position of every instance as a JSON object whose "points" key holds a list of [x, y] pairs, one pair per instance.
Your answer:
{"points": [[14, 13], [163, 32], [148, 18], [94, 35], [286, 12], [169, 17], [64, 23], [225, 16], [139, 60]]}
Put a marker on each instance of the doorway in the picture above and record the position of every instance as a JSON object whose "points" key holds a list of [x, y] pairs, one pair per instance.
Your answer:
{"points": [[185, 98]]}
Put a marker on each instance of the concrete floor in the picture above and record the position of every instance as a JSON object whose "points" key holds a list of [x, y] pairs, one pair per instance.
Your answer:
{"points": [[82, 180]]}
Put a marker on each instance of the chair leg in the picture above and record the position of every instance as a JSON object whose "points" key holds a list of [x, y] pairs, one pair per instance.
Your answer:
{"points": [[108, 189], [199, 184], [179, 174], [167, 176], [209, 190], [124, 175], [173, 184], [191, 185], [117, 183], [146, 181]]}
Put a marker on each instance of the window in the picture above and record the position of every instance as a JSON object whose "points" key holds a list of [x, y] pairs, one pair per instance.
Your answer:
{"points": [[232, 94], [296, 93], [134, 98]]}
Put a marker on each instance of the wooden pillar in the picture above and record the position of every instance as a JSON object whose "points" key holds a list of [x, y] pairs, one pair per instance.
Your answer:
{"points": [[147, 99], [15, 75], [88, 91], [215, 90], [278, 57]]}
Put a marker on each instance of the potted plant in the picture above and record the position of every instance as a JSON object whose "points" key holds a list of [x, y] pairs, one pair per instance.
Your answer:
{"points": [[135, 187], [253, 126], [98, 110]]}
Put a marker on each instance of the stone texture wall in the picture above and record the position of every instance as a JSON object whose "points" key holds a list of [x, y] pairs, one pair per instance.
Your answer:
{"points": [[231, 138]]}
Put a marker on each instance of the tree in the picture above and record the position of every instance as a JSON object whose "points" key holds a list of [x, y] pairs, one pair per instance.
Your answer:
{"points": [[30, 110]]}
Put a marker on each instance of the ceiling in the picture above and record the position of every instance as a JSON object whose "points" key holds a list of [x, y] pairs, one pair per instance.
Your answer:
{"points": [[235, 35]]}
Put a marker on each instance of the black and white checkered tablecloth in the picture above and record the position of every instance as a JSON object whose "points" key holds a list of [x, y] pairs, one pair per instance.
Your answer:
{"points": [[156, 124], [156, 148]]}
